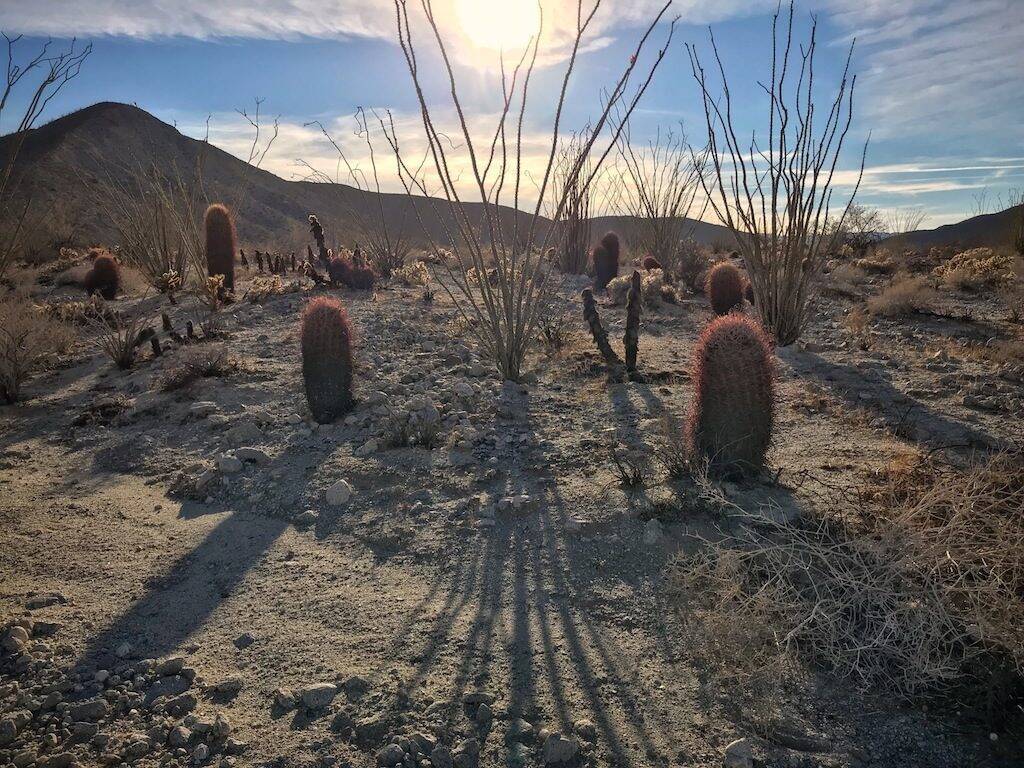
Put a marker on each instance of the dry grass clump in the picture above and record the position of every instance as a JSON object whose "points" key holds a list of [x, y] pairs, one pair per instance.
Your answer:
{"points": [[976, 269], [200, 362], [29, 337], [858, 323], [121, 341], [922, 596], [1012, 294], [845, 280], [412, 274], [903, 296], [262, 287], [878, 263]]}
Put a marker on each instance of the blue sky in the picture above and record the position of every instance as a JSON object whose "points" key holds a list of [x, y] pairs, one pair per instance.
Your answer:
{"points": [[938, 80]]}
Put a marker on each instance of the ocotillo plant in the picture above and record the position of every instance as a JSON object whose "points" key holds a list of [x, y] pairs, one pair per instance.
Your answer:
{"points": [[731, 418], [220, 245], [631, 341], [724, 288], [327, 358]]}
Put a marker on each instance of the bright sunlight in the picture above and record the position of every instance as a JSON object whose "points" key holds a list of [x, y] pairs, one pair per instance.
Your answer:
{"points": [[498, 24]]}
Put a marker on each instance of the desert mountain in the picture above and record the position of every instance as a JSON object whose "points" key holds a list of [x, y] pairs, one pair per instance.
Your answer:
{"points": [[994, 230], [66, 162]]}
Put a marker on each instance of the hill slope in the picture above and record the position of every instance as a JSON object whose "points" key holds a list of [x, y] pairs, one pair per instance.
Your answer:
{"points": [[66, 162], [994, 230]]}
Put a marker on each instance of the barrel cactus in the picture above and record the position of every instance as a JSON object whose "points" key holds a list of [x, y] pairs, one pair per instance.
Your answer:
{"points": [[104, 277], [220, 245], [730, 423], [606, 267], [724, 288], [327, 358]]}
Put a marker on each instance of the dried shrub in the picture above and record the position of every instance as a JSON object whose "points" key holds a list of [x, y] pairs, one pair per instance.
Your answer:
{"points": [[846, 280], [976, 269], [262, 287], [82, 312], [692, 265], [121, 341], [858, 323], [922, 597], [903, 296], [198, 362], [879, 263], [412, 274], [28, 339]]}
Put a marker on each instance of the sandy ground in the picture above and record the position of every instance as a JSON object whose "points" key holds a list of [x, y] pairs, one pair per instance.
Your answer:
{"points": [[429, 612]]}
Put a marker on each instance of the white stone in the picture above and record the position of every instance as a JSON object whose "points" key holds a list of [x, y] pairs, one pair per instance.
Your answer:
{"points": [[339, 493], [229, 465]]}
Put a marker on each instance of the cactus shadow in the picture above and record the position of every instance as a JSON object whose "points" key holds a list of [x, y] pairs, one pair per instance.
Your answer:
{"points": [[178, 601]]}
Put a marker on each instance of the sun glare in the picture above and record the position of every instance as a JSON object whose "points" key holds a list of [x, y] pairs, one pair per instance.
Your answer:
{"points": [[498, 24]]}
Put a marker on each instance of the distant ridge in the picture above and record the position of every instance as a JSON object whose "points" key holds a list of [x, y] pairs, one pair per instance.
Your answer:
{"points": [[66, 161], [994, 230]]}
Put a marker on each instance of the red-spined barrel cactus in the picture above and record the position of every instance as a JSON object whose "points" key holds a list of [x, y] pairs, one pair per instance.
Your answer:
{"points": [[104, 277], [730, 424], [606, 267], [338, 268], [220, 245], [327, 358], [748, 291], [650, 263], [724, 288], [361, 277]]}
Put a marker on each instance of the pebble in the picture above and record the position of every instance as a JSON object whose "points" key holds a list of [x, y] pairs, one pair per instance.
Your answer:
{"points": [[339, 493], [229, 465], [318, 696], [559, 749]]}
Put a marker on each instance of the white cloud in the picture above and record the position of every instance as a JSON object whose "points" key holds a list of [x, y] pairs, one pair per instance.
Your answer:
{"points": [[939, 67]]}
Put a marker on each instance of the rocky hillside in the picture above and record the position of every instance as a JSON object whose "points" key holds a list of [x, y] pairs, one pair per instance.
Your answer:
{"points": [[65, 163]]}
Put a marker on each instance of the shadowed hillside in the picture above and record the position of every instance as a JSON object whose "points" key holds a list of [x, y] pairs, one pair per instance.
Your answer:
{"points": [[65, 162], [993, 230]]}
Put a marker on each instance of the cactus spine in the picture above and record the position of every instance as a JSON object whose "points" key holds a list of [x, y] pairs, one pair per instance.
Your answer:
{"points": [[220, 245], [731, 418], [631, 341], [327, 358], [724, 288]]}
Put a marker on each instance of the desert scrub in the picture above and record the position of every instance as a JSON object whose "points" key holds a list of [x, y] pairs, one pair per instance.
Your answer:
{"points": [[194, 363], [263, 287], [326, 342], [903, 296], [976, 269], [28, 339], [82, 312], [921, 596], [412, 274], [732, 414], [120, 342]]}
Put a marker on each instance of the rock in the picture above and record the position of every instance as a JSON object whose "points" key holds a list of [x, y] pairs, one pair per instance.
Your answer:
{"points": [[179, 736], [477, 697], [179, 706], [174, 685], [200, 754], [520, 730], [8, 731], [307, 518], [355, 686], [371, 730], [256, 455], [244, 433], [94, 709], [441, 757], [45, 600], [137, 748], [15, 639], [559, 749], [202, 409], [467, 754], [518, 756], [24, 759], [343, 724], [463, 389], [423, 743], [484, 715], [123, 650], [318, 696], [390, 755], [229, 465], [229, 686], [244, 640], [235, 747], [284, 699], [370, 446], [652, 532], [586, 730], [60, 760], [738, 754], [339, 493], [170, 666]]}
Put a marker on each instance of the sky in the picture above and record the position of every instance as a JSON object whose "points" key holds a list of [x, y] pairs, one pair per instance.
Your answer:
{"points": [[938, 81]]}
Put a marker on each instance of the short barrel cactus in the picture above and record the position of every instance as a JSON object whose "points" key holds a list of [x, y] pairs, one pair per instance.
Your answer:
{"points": [[104, 277], [606, 267], [730, 423], [724, 288], [220, 245], [326, 338]]}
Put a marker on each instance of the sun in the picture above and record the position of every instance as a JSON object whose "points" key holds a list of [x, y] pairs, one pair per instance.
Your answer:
{"points": [[498, 24]]}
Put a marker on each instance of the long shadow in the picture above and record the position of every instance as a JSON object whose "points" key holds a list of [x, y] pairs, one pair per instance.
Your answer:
{"points": [[848, 383], [179, 601]]}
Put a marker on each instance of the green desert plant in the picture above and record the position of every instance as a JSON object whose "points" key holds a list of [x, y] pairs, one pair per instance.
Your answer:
{"points": [[724, 288], [327, 358], [220, 245], [731, 417], [104, 277]]}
